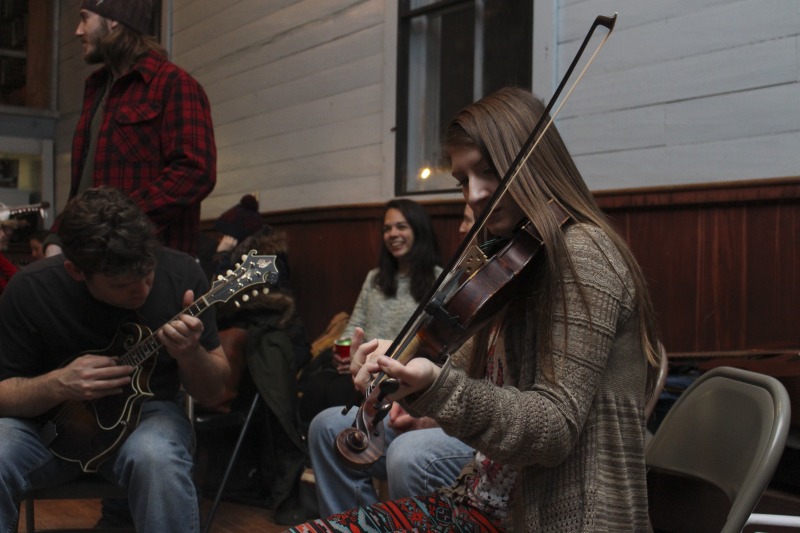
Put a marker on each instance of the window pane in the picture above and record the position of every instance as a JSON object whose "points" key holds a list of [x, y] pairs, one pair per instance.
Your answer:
{"points": [[508, 26], [450, 54], [26, 52], [440, 73]]}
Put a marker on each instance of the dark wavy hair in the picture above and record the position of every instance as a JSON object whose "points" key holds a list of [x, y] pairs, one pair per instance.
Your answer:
{"points": [[423, 257], [104, 231]]}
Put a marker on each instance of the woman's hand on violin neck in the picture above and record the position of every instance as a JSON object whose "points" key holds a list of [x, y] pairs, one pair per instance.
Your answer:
{"points": [[360, 352], [417, 375]]}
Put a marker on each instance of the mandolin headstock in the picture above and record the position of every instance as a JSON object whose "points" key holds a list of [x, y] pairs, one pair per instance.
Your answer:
{"points": [[254, 271]]}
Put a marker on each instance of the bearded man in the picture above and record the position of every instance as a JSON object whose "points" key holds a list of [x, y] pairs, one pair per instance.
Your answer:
{"points": [[145, 127]]}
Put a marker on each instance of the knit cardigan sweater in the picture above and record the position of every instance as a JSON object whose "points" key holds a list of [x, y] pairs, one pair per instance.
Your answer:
{"points": [[577, 442]]}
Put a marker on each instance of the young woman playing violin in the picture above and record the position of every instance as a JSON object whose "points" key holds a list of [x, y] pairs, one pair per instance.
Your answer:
{"points": [[554, 397]]}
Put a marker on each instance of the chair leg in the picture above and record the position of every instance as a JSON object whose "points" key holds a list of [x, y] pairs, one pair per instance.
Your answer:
{"points": [[29, 518], [231, 461]]}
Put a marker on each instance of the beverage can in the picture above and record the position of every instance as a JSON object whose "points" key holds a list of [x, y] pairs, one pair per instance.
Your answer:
{"points": [[341, 347]]}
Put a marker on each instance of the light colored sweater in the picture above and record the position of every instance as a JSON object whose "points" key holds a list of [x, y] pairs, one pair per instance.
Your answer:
{"points": [[578, 443], [380, 316]]}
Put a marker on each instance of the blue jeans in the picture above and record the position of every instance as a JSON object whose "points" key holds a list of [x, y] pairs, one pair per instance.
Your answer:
{"points": [[415, 463], [155, 463]]}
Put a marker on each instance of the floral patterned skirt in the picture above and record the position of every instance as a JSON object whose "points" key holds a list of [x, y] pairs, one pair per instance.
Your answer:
{"points": [[433, 513]]}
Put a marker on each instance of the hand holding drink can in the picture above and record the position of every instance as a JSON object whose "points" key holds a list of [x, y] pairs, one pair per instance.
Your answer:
{"points": [[341, 355]]}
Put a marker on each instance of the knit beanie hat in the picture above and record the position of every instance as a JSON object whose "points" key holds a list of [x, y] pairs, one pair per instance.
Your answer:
{"points": [[241, 220], [134, 14]]}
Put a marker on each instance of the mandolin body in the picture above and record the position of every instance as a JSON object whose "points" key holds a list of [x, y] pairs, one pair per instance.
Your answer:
{"points": [[87, 432]]}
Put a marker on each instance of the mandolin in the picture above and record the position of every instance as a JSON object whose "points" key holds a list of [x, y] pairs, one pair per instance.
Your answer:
{"points": [[87, 432]]}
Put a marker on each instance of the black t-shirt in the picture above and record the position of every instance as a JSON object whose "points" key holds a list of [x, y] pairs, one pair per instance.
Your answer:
{"points": [[47, 318]]}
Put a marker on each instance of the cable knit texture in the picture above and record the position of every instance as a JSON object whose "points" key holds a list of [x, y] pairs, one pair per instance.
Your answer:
{"points": [[578, 442], [383, 317]]}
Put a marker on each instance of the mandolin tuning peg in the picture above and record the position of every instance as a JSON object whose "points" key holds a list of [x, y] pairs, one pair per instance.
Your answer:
{"points": [[237, 266], [255, 292], [244, 257], [265, 290], [229, 272], [220, 277], [246, 297], [237, 304]]}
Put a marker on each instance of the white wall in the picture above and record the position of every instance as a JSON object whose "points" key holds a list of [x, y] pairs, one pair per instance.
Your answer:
{"points": [[685, 91], [298, 97], [302, 93]]}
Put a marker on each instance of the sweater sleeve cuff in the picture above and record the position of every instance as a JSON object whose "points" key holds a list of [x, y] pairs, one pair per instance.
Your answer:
{"points": [[430, 401]]}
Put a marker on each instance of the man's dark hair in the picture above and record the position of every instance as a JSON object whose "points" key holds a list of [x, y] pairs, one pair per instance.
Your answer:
{"points": [[104, 231]]}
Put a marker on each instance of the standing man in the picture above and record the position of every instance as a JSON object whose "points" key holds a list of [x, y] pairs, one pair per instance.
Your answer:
{"points": [[145, 127], [112, 274]]}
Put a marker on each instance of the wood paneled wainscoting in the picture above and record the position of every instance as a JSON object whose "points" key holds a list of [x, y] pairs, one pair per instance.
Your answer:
{"points": [[721, 259], [331, 249]]}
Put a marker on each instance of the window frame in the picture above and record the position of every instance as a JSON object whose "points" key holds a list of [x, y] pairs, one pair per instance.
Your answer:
{"points": [[405, 14]]}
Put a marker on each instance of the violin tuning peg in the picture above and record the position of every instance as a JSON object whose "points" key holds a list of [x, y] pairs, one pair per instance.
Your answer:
{"points": [[387, 387]]}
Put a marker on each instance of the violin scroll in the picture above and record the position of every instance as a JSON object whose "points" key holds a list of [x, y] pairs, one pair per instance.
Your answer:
{"points": [[358, 449], [360, 445]]}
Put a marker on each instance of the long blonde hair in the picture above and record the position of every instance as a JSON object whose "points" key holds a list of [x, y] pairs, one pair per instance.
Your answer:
{"points": [[498, 125]]}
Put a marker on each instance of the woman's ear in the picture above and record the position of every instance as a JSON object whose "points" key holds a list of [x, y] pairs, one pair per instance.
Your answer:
{"points": [[73, 271]]}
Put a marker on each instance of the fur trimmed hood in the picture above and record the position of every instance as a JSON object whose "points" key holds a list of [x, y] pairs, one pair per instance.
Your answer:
{"points": [[279, 300]]}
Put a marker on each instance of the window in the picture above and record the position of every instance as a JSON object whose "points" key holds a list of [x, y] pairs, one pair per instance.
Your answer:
{"points": [[26, 52], [451, 53]]}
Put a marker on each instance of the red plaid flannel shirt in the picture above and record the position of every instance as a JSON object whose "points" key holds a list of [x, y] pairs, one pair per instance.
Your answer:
{"points": [[7, 269], [156, 143]]}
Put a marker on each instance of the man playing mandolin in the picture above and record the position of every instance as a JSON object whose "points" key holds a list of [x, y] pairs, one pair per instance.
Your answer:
{"points": [[76, 356]]}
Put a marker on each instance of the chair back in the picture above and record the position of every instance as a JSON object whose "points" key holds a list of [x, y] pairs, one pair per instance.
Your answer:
{"points": [[727, 431]]}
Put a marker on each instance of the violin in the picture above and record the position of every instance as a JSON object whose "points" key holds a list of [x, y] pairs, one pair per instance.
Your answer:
{"points": [[448, 325], [478, 283]]}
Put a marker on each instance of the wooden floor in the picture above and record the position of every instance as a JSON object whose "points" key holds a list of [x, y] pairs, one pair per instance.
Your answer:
{"points": [[235, 518], [77, 514]]}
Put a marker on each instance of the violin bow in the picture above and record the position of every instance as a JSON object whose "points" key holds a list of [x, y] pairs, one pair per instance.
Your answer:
{"points": [[381, 386]]}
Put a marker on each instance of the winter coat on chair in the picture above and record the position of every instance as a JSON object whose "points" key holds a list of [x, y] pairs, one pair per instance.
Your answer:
{"points": [[277, 348]]}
